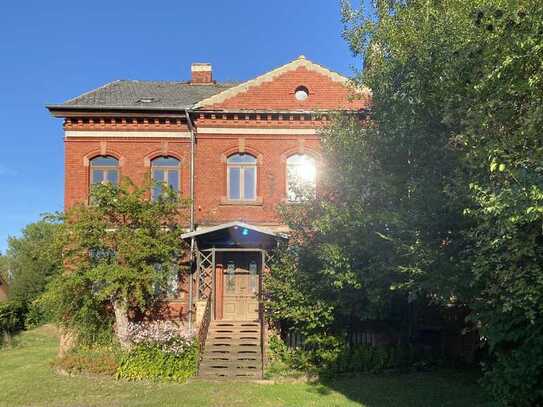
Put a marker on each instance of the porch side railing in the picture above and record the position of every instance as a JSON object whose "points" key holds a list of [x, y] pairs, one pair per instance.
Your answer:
{"points": [[204, 328]]}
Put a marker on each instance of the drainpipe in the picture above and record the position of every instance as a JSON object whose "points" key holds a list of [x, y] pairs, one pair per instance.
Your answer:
{"points": [[192, 144], [192, 195]]}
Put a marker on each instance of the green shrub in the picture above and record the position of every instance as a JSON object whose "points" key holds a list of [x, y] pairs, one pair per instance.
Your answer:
{"points": [[516, 376], [11, 318], [330, 355], [150, 361], [37, 315], [93, 360], [368, 358]]}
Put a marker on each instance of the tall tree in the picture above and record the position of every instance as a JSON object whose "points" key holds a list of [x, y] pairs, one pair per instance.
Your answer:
{"points": [[32, 260], [450, 76], [118, 253]]}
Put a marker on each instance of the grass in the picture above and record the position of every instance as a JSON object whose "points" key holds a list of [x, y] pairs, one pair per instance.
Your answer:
{"points": [[27, 379]]}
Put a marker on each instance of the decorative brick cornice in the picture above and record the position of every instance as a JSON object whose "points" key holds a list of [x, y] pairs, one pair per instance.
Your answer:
{"points": [[124, 124], [263, 119]]}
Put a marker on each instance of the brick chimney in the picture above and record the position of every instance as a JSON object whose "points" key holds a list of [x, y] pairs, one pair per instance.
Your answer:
{"points": [[201, 73]]}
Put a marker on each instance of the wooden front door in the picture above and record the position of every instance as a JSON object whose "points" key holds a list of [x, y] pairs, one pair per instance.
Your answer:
{"points": [[241, 273]]}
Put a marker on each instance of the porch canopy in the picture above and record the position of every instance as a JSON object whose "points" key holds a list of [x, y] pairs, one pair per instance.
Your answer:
{"points": [[235, 235]]}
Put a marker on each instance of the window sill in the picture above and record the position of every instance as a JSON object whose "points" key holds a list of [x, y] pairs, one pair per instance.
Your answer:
{"points": [[229, 202], [286, 201]]}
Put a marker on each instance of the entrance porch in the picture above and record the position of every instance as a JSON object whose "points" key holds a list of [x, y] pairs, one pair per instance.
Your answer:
{"points": [[230, 260]]}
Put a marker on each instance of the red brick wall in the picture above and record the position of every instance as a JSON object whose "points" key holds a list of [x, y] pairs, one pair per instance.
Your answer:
{"points": [[278, 94], [202, 77], [271, 152], [210, 180], [211, 150], [131, 152]]}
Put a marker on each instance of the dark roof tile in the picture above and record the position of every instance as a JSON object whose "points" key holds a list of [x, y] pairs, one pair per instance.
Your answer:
{"points": [[146, 94]]}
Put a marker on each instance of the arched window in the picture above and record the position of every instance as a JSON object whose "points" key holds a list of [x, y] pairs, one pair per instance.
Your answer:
{"points": [[301, 176], [164, 171], [104, 169], [241, 177]]}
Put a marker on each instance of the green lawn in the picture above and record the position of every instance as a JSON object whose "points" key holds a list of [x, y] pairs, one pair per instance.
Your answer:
{"points": [[26, 379]]}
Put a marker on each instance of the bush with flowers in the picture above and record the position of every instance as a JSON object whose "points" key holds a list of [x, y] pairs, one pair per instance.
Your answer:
{"points": [[161, 350]]}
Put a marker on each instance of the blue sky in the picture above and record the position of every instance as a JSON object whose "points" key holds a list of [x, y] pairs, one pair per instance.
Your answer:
{"points": [[54, 50]]}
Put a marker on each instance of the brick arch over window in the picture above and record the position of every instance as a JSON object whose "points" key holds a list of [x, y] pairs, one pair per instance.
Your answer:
{"points": [[300, 150], [161, 153], [245, 150], [103, 152]]}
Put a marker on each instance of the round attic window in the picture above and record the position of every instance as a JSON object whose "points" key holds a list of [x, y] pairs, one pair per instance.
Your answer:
{"points": [[301, 93]]}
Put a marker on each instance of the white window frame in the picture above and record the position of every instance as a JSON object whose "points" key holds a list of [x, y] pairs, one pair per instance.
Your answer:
{"points": [[166, 171], [106, 169], [242, 167]]}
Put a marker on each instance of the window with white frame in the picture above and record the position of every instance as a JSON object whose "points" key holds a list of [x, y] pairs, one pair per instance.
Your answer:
{"points": [[104, 169], [164, 172], [170, 287], [241, 177], [301, 176]]}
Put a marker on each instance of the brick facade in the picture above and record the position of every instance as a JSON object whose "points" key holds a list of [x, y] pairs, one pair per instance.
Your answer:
{"points": [[134, 155], [261, 117], [278, 94], [266, 105]]}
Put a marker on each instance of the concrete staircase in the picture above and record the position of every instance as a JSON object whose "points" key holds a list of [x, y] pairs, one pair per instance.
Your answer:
{"points": [[232, 351]]}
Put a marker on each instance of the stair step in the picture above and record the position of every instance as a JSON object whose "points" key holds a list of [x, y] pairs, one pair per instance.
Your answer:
{"points": [[230, 357], [209, 350], [230, 373], [230, 364], [230, 339], [237, 329], [235, 337], [222, 342], [232, 351]]}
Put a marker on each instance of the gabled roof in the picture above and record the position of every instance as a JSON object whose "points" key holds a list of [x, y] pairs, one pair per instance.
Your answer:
{"points": [[143, 95], [301, 61], [234, 224], [133, 95]]}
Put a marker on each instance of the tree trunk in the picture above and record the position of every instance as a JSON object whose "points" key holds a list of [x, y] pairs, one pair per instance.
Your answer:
{"points": [[121, 322], [67, 342]]}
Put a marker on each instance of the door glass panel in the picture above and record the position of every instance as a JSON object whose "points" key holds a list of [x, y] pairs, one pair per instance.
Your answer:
{"points": [[249, 183], [234, 183], [231, 277], [253, 277]]}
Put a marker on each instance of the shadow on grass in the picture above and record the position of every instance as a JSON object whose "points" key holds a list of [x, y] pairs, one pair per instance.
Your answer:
{"points": [[440, 388]]}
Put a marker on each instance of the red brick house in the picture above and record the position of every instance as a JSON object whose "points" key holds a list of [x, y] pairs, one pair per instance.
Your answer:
{"points": [[234, 149]]}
